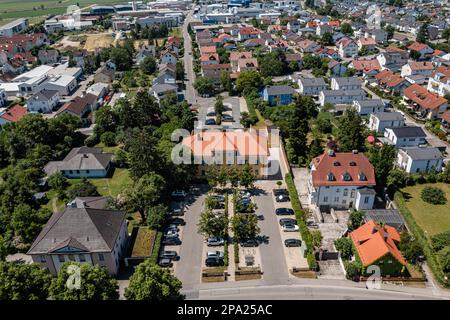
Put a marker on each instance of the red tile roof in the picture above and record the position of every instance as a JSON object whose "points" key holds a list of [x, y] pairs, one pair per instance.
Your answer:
{"points": [[208, 49], [420, 65], [14, 113], [443, 70], [357, 166], [366, 65], [373, 242], [389, 79], [423, 97], [417, 46], [446, 116]]}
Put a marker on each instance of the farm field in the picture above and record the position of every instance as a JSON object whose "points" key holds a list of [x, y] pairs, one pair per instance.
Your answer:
{"points": [[433, 219], [32, 8]]}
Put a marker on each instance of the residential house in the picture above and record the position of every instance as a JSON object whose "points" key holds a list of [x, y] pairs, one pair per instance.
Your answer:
{"points": [[247, 64], [379, 35], [393, 58], [168, 57], [387, 217], [144, 52], [336, 68], [369, 106], [236, 56], [446, 121], [379, 121], [391, 83], [293, 26], [81, 107], [82, 162], [253, 43], [415, 160], [294, 58], [209, 58], [99, 90], [421, 48], [45, 101], [48, 56], [85, 235], [341, 180], [340, 97], [307, 46], [311, 86], [377, 245], [161, 91], [426, 104], [412, 68], [214, 71], [207, 50], [369, 43], [12, 114], [345, 83], [321, 29], [64, 84], [229, 147], [246, 33], [105, 74], [347, 48], [276, 95], [439, 82], [401, 137], [365, 67], [165, 76]]}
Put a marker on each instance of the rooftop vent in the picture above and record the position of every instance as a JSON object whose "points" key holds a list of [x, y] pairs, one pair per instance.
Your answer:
{"points": [[331, 153]]}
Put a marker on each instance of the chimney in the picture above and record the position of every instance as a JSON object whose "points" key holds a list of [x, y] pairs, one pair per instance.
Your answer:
{"points": [[385, 237], [355, 151]]}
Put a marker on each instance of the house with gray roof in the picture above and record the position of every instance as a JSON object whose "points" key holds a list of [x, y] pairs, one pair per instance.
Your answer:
{"points": [[82, 162], [346, 83], [401, 137], [340, 97], [379, 121], [415, 160], [369, 106], [44, 101], [85, 235], [390, 217], [311, 86]]}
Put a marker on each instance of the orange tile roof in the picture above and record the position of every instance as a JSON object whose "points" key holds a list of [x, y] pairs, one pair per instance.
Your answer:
{"points": [[209, 56], [420, 65], [366, 65], [208, 49], [446, 116], [373, 242], [245, 143], [388, 78], [340, 163], [234, 56], [423, 97], [443, 70], [14, 113], [417, 46], [367, 41]]}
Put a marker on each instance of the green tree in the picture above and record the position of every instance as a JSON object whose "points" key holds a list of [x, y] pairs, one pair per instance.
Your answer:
{"points": [[121, 57], [225, 81], [95, 283], [344, 246], [444, 258], [247, 176], [413, 54], [84, 188], [433, 195], [105, 120], [410, 248], [108, 139], [347, 29], [204, 85], [440, 240], [249, 80], [316, 238], [148, 65], [3, 249], [211, 225], [57, 181], [350, 131], [355, 219], [382, 160], [23, 281], [151, 282], [157, 216], [245, 226], [327, 39], [144, 194], [273, 64], [315, 148]]}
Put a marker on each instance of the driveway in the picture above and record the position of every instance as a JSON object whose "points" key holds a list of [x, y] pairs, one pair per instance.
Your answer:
{"points": [[188, 269]]}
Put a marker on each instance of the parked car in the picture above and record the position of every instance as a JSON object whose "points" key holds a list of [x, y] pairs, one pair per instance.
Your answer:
{"points": [[312, 224], [169, 254], [165, 263], [249, 243], [289, 227], [177, 212], [214, 262], [211, 114], [284, 212], [171, 241], [171, 233], [284, 221], [227, 117], [215, 241], [215, 254], [278, 192], [260, 217], [292, 243], [179, 194], [282, 198], [218, 197], [177, 221], [210, 122]]}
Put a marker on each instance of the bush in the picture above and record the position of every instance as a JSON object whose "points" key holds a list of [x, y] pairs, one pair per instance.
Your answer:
{"points": [[91, 141], [236, 252], [57, 181], [312, 262], [156, 247], [121, 159], [352, 268], [433, 195], [441, 240], [108, 139], [225, 253], [344, 246]]}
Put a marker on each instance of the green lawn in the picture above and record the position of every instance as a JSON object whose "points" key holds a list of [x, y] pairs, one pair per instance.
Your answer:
{"points": [[431, 218]]}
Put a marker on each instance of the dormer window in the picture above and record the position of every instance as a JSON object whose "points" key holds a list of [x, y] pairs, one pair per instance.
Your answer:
{"points": [[336, 163], [352, 163], [362, 176], [331, 177], [346, 176]]}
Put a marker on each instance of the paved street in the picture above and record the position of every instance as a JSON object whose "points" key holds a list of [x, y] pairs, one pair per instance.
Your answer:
{"points": [[189, 267]]}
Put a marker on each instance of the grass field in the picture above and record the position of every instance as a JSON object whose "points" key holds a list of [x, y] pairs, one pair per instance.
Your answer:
{"points": [[431, 218], [110, 186], [94, 41], [32, 8]]}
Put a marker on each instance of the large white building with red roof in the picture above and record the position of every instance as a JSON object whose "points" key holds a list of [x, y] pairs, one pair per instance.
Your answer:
{"points": [[341, 180]]}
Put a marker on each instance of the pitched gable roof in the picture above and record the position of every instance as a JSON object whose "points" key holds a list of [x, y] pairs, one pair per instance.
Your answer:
{"points": [[14, 113], [423, 97]]}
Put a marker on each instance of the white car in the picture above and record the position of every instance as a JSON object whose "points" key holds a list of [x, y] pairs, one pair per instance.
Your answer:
{"points": [[215, 254], [289, 227]]}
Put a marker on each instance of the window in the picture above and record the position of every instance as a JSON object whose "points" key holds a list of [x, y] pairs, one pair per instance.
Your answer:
{"points": [[366, 199], [82, 258], [101, 257], [43, 259], [71, 257], [338, 190], [325, 199], [336, 199], [345, 192], [61, 258], [87, 171]]}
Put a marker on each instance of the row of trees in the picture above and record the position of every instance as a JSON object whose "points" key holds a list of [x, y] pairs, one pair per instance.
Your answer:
{"points": [[234, 175]]}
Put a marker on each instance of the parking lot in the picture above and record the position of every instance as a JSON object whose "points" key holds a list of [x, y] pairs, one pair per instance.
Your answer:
{"points": [[233, 109]]}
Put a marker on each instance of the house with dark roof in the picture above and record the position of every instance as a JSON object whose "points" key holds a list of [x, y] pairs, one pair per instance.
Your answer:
{"points": [[85, 235], [82, 162], [80, 107], [369, 106], [376, 244], [278, 94], [379, 121], [45, 101], [415, 160], [341, 180], [390, 217], [401, 137]]}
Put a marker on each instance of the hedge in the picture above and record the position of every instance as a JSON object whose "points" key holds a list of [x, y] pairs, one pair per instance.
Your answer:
{"points": [[156, 247], [419, 234], [300, 217], [236, 252]]}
